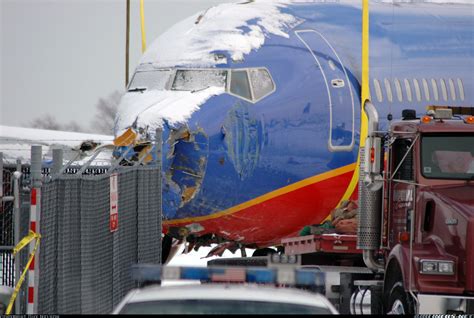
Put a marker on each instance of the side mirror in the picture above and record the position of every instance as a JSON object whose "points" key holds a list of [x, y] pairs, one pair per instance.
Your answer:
{"points": [[372, 163]]}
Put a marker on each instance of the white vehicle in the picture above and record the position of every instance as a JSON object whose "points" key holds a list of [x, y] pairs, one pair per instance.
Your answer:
{"points": [[223, 296]]}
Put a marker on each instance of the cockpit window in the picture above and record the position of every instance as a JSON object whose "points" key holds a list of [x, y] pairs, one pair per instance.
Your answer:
{"points": [[145, 80], [239, 84], [262, 83], [195, 80], [251, 84]]}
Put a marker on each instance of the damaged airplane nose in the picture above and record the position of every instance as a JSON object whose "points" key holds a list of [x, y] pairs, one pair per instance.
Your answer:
{"points": [[186, 160], [185, 154]]}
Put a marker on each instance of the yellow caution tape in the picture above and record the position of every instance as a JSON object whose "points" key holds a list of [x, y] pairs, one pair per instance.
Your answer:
{"points": [[24, 242]]}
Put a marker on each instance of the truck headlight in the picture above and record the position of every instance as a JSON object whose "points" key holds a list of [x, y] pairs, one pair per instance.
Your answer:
{"points": [[437, 267], [446, 267]]}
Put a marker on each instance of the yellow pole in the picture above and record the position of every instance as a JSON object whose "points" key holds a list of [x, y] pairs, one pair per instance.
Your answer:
{"points": [[127, 43], [365, 93], [142, 17], [365, 96]]}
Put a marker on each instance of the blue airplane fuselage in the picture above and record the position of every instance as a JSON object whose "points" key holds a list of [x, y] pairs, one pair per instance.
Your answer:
{"points": [[250, 171]]}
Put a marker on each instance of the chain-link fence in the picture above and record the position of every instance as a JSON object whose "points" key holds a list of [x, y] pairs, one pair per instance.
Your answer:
{"points": [[84, 267], [7, 242], [7, 228]]}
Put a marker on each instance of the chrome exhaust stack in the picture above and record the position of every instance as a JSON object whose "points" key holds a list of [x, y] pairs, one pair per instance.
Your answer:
{"points": [[370, 193]]}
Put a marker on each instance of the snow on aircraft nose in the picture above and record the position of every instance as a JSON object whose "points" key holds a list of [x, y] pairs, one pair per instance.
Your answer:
{"points": [[149, 110], [185, 149]]}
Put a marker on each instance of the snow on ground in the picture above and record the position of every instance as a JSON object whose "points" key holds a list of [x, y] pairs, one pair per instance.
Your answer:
{"points": [[16, 142], [196, 258]]}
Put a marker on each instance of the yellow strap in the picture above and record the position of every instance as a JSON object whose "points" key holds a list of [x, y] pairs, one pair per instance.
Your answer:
{"points": [[24, 242], [142, 17], [365, 96], [365, 58]]}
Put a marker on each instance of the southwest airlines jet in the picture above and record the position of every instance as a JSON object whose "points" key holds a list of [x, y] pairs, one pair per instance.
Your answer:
{"points": [[259, 104]]}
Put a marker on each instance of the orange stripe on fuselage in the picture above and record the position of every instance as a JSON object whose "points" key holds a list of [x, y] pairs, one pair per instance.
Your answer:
{"points": [[267, 196]]}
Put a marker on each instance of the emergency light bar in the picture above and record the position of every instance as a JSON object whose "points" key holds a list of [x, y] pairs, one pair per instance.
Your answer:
{"points": [[287, 276]]}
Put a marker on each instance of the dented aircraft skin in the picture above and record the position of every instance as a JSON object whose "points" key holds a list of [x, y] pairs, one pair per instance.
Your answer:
{"points": [[257, 172]]}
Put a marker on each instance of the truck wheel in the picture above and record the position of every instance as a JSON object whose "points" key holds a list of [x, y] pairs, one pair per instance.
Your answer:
{"points": [[399, 302]]}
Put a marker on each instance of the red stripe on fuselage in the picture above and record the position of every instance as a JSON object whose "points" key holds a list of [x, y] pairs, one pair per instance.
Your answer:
{"points": [[266, 223]]}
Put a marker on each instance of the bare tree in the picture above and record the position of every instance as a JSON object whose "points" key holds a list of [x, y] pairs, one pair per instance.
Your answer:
{"points": [[73, 126], [103, 122], [105, 115], [49, 122]]}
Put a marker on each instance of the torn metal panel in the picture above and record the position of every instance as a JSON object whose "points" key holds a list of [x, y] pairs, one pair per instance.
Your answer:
{"points": [[127, 138], [188, 154]]}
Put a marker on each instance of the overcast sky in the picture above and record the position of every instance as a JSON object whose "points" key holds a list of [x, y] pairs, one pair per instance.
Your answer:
{"points": [[61, 56]]}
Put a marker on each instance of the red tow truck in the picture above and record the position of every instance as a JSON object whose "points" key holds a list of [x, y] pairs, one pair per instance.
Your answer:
{"points": [[414, 247], [415, 222]]}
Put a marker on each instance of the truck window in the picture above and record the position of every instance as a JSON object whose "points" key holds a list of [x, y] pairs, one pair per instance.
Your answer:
{"points": [[400, 148], [447, 157]]}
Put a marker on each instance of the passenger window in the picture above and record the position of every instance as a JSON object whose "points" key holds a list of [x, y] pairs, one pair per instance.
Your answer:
{"points": [[435, 89], [408, 89], [378, 90], [398, 88], [426, 89], [452, 89], [417, 89], [388, 89], [239, 84], [461, 89], [444, 90], [262, 83]]}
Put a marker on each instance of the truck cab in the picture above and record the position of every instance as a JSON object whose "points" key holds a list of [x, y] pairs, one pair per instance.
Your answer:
{"points": [[427, 221], [415, 233]]}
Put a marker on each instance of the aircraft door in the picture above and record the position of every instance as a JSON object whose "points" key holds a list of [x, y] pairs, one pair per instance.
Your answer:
{"points": [[341, 99]]}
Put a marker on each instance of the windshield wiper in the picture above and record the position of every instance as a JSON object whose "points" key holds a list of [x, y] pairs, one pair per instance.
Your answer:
{"points": [[137, 89], [201, 89]]}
